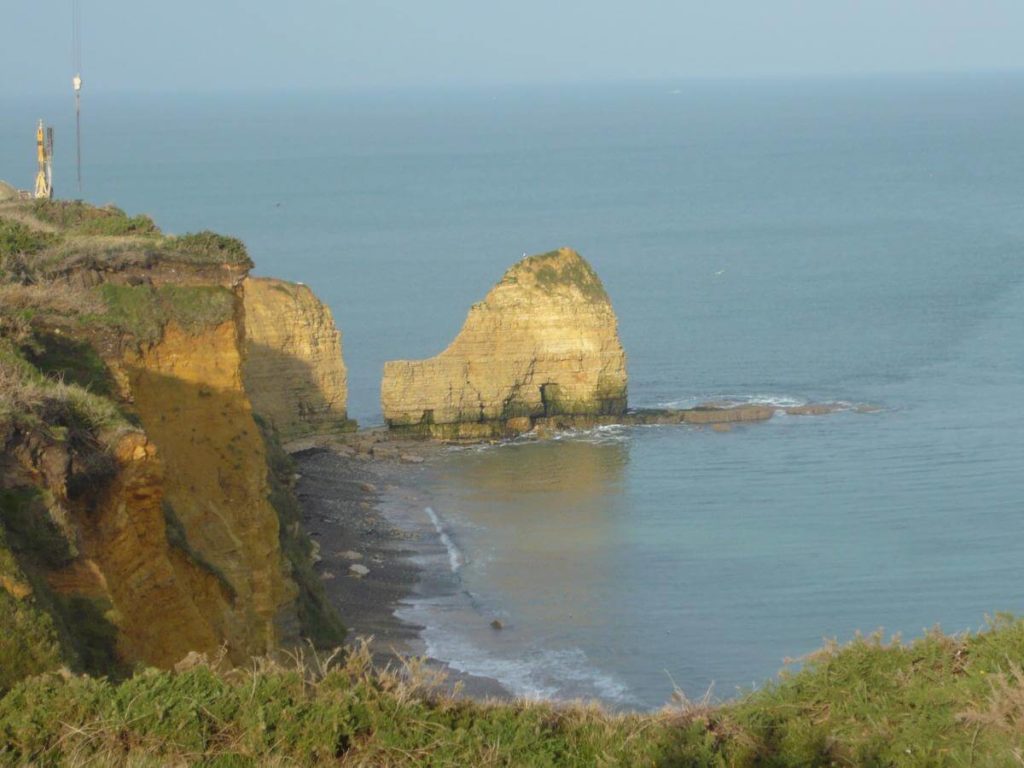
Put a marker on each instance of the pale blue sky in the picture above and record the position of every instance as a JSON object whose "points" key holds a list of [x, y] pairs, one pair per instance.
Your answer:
{"points": [[250, 44]]}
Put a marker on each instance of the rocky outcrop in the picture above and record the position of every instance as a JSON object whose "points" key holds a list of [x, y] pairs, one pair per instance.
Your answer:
{"points": [[543, 343], [90, 526], [294, 371]]}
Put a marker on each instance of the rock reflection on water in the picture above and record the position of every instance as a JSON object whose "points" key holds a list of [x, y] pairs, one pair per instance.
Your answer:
{"points": [[537, 522]]}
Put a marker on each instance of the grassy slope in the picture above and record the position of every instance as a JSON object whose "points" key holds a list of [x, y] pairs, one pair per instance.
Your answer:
{"points": [[42, 236], [939, 701]]}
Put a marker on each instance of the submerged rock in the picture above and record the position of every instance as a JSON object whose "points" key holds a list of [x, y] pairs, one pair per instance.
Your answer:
{"points": [[358, 570], [543, 343]]}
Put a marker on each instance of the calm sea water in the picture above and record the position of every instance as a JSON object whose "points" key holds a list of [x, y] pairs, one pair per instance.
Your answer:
{"points": [[789, 241]]}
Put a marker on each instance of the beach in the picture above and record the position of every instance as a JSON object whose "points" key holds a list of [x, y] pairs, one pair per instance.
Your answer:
{"points": [[366, 510]]}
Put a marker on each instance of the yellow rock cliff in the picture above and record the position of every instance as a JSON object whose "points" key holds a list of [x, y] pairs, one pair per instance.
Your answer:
{"points": [[188, 392], [145, 511], [294, 371], [544, 342]]}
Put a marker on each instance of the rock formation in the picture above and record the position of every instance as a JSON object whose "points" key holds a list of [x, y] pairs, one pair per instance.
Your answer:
{"points": [[144, 510], [543, 343], [293, 371], [188, 392]]}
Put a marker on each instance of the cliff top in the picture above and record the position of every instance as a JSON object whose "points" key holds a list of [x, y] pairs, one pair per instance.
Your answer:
{"points": [[54, 237], [562, 271]]}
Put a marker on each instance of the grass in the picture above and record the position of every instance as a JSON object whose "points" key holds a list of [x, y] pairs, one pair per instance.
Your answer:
{"points": [[28, 638], [554, 270], [939, 701], [18, 239], [42, 238], [29, 400], [19, 245], [208, 246], [76, 217], [143, 311]]}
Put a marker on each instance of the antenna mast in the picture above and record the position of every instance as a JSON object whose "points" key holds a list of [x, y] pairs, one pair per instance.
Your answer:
{"points": [[44, 156], [76, 82]]}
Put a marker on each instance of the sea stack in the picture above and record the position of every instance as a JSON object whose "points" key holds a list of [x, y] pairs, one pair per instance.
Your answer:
{"points": [[543, 344]]}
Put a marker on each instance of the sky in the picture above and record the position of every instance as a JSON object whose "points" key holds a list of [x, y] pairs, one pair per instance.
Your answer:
{"points": [[218, 45]]}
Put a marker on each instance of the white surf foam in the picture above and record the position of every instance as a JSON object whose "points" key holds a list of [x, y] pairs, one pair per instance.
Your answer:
{"points": [[534, 673], [778, 401], [455, 558]]}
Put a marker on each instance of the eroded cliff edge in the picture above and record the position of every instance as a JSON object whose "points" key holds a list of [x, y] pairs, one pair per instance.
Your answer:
{"points": [[543, 343], [294, 370], [145, 503]]}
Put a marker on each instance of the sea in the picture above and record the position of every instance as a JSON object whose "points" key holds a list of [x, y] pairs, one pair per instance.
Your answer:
{"points": [[853, 240]]}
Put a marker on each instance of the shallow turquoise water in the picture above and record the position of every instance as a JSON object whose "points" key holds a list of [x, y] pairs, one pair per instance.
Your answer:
{"points": [[832, 240]]}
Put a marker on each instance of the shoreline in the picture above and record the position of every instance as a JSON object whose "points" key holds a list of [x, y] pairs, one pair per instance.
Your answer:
{"points": [[350, 502], [364, 506]]}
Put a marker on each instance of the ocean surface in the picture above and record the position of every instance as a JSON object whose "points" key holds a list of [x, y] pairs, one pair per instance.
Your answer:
{"points": [[789, 241]]}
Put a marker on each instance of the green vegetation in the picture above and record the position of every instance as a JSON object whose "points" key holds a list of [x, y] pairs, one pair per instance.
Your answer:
{"points": [[940, 701], [39, 629], [554, 270], [209, 247], [17, 239], [18, 246], [143, 311], [43, 238], [78, 218], [28, 638], [29, 400]]}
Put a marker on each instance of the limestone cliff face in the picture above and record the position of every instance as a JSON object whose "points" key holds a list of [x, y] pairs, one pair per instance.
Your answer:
{"points": [[161, 539], [544, 342], [294, 371], [189, 394]]}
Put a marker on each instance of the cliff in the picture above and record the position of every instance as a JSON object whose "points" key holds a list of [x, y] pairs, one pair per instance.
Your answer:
{"points": [[543, 343], [294, 370], [145, 509]]}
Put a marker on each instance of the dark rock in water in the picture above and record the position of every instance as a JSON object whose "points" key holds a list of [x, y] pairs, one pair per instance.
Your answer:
{"points": [[496, 624], [814, 409]]}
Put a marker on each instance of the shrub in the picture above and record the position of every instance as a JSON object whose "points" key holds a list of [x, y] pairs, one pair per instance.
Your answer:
{"points": [[208, 246], [17, 239]]}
